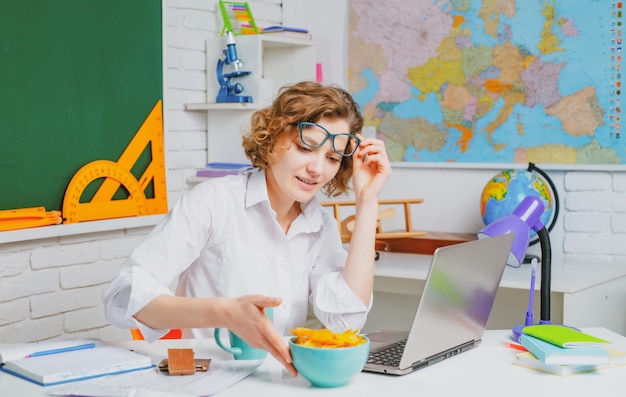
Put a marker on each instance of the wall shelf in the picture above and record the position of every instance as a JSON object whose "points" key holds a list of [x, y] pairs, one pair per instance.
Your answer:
{"points": [[35, 233]]}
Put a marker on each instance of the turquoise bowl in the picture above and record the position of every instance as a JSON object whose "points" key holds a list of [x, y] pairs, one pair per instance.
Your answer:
{"points": [[329, 367]]}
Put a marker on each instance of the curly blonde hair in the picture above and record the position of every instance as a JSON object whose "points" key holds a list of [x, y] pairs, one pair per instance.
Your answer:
{"points": [[304, 101]]}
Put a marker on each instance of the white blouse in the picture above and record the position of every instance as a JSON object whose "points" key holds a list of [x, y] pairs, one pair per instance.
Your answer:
{"points": [[222, 239]]}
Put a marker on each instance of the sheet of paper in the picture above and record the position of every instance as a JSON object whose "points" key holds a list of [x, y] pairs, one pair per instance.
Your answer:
{"points": [[220, 376]]}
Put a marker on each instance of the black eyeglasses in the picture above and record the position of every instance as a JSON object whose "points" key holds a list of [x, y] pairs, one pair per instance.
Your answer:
{"points": [[314, 135]]}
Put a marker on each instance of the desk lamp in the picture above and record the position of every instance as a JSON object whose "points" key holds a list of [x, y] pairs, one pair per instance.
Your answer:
{"points": [[230, 92], [526, 216]]}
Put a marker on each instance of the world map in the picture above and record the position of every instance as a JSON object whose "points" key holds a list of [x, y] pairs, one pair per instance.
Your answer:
{"points": [[492, 81]]}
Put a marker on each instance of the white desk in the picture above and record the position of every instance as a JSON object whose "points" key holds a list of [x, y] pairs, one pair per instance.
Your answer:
{"points": [[486, 370], [582, 294]]}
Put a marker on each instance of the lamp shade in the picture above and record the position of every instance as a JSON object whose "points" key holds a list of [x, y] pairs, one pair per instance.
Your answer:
{"points": [[526, 216]]}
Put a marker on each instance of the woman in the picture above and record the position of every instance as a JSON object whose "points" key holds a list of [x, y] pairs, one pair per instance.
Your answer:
{"points": [[241, 243]]}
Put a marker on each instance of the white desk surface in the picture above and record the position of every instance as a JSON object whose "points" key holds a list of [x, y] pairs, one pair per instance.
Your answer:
{"points": [[486, 370], [566, 277]]}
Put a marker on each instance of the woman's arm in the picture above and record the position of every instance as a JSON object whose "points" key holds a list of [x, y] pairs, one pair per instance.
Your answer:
{"points": [[370, 173], [244, 316]]}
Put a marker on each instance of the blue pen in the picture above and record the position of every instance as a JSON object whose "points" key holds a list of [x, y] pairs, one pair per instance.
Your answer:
{"points": [[533, 275], [62, 350]]}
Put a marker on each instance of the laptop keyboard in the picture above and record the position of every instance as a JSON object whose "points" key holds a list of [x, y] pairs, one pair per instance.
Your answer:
{"points": [[390, 356]]}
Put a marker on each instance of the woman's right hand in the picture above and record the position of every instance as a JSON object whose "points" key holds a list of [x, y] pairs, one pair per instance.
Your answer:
{"points": [[246, 318]]}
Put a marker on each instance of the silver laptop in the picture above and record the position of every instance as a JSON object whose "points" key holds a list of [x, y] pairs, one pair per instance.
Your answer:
{"points": [[453, 310]]}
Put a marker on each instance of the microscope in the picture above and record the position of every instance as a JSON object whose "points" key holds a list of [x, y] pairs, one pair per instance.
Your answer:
{"points": [[230, 92]]}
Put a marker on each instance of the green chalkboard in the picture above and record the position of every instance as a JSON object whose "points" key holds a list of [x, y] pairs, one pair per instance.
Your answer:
{"points": [[77, 79]]}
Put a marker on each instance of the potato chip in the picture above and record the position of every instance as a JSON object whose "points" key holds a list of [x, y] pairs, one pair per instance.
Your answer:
{"points": [[325, 338]]}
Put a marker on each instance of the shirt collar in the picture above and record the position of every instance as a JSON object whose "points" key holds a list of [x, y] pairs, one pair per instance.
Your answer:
{"points": [[257, 193]]}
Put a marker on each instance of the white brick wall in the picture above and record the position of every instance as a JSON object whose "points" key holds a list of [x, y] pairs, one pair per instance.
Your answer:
{"points": [[594, 215], [54, 287]]}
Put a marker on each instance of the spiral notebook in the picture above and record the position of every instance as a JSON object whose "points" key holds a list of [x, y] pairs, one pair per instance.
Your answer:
{"points": [[453, 310], [53, 363]]}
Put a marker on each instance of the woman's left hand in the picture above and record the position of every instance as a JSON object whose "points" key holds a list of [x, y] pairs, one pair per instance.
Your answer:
{"points": [[371, 168]]}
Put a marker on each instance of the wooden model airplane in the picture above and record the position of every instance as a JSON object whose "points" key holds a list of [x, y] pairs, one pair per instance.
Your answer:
{"points": [[346, 225]]}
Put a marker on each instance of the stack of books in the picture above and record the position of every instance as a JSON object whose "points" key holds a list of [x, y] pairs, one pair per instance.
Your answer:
{"points": [[563, 351], [216, 170]]}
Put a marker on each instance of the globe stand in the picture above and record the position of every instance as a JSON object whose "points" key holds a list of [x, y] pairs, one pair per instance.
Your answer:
{"points": [[532, 167]]}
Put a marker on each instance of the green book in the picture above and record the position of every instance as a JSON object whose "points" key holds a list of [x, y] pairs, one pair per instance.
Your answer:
{"points": [[562, 336]]}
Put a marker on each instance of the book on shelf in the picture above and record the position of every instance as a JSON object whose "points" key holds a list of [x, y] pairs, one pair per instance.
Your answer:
{"points": [[553, 354], [286, 31], [219, 169], [563, 336], [56, 362], [528, 360]]}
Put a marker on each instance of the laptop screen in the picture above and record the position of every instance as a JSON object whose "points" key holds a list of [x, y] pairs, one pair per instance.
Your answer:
{"points": [[458, 296]]}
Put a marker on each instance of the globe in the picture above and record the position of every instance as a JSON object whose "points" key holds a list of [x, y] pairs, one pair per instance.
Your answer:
{"points": [[503, 193]]}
